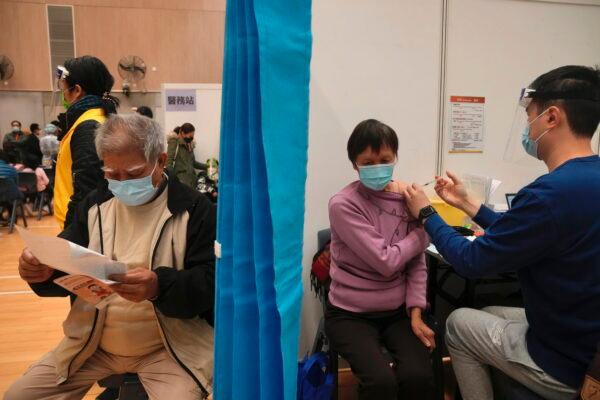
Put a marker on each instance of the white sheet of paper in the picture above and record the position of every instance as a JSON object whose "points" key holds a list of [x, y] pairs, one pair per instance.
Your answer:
{"points": [[70, 258]]}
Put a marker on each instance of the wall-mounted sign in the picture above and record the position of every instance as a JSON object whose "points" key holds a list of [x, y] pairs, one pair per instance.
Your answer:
{"points": [[180, 99]]}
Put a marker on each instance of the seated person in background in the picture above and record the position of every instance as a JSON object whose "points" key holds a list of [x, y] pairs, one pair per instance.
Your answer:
{"points": [[10, 142], [180, 154], [550, 237], [29, 147], [7, 170], [378, 275], [161, 325], [41, 178], [34, 128], [49, 145], [145, 111], [10, 189], [61, 123]]}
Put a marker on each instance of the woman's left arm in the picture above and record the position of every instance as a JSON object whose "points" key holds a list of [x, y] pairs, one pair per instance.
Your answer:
{"points": [[416, 283]]}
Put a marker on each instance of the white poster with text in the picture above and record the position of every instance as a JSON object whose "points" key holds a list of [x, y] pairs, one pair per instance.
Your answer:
{"points": [[466, 124]]}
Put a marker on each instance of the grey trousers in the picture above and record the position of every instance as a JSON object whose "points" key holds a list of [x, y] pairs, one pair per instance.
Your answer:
{"points": [[495, 336]]}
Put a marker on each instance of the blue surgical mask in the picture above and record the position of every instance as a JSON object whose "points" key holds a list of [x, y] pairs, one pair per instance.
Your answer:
{"points": [[15, 129], [133, 192], [377, 176], [531, 146]]}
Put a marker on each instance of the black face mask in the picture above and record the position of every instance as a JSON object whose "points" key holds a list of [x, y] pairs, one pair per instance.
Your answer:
{"points": [[188, 139]]}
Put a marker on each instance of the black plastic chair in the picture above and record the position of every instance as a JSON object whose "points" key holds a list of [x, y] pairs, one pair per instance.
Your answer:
{"points": [[28, 184], [126, 386], [321, 342], [11, 198]]}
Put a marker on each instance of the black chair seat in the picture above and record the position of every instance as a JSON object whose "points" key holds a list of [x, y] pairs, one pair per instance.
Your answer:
{"points": [[128, 385]]}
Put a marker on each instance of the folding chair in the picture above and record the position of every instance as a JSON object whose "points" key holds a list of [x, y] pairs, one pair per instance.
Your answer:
{"points": [[13, 198]]}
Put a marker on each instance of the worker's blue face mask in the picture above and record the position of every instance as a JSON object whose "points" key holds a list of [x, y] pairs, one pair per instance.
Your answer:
{"points": [[133, 192], [377, 176], [531, 145]]}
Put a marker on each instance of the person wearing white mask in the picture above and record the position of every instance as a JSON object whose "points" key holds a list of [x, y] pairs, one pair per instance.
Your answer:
{"points": [[550, 238], [49, 144], [160, 326]]}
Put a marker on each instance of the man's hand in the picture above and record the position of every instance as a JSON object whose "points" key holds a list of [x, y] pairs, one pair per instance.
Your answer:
{"points": [[136, 285], [421, 330], [454, 192], [415, 199], [31, 270]]}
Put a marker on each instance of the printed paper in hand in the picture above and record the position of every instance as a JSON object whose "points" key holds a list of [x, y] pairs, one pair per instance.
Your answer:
{"points": [[89, 289], [70, 258], [88, 271]]}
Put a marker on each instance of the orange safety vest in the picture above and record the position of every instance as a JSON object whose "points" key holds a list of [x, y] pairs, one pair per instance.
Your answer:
{"points": [[63, 180]]}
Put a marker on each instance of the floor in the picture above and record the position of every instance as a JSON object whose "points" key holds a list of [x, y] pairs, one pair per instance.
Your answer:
{"points": [[29, 325]]}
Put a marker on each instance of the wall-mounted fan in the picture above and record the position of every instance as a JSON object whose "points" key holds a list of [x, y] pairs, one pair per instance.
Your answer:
{"points": [[132, 69], [7, 68]]}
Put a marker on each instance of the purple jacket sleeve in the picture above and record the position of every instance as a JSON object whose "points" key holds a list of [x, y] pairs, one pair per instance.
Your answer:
{"points": [[416, 283], [359, 234]]}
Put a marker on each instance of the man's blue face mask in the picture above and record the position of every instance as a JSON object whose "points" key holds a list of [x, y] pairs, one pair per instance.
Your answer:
{"points": [[133, 192], [531, 145], [377, 176]]}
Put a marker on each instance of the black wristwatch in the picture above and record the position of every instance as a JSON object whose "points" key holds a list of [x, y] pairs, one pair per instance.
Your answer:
{"points": [[426, 212]]}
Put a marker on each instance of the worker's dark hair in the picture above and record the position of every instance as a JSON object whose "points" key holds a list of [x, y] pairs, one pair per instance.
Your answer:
{"points": [[575, 89]]}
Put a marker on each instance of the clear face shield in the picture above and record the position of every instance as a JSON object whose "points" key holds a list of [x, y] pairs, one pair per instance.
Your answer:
{"points": [[58, 85], [514, 151]]}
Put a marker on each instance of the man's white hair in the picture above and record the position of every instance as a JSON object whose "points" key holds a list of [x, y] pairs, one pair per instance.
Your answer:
{"points": [[130, 132]]}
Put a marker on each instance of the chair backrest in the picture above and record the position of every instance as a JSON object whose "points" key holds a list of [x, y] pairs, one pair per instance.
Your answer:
{"points": [[9, 191], [28, 180], [320, 279], [323, 236]]}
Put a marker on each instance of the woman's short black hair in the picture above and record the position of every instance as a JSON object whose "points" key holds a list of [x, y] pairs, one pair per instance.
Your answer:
{"points": [[3, 156], [145, 111], [371, 133], [187, 128], [17, 121], [34, 127], [579, 87], [92, 75]]}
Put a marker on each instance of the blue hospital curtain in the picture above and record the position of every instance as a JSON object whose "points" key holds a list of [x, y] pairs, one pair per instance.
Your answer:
{"points": [[264, 141]]}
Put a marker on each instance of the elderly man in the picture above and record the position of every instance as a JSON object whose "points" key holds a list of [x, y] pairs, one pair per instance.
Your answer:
{"points": [[160, 326]]}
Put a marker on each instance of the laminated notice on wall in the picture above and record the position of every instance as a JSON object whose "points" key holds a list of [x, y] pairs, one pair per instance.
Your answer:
{"points": [[466, 124]]}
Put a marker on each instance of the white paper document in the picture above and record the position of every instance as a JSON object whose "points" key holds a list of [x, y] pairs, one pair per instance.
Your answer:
{"points": [[70, 258]]}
